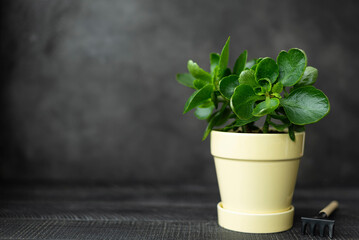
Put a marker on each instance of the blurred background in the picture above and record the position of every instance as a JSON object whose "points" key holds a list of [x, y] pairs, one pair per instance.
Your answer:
{"points": [[88, 89]]}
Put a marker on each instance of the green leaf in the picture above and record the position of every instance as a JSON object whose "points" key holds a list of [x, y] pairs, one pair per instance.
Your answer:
{"points": [[248, 77], [266, 107], [240, 63], [267, 68], [199, 83], [259, 91], [203, 112], [299, 128], [291, 66], [217, 119], [277, 95], [198, 97], [215, 79], [239, 123], [266, 84], [242, 101], [291, 132], [214, 60], [210, 125], [226, 72], [309, 77], [223, 117], [279, 127], [227, 85], [214, 97], [250, 63], [223, 59], [252, 127], [229, 127], [282, 118], [185, 79], [254, 67], [198, 72], [277, 88], [305, 105]]}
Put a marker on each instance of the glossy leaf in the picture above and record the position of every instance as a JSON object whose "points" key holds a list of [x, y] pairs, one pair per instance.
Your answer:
{"points": [[254, 67], [185, 79], [277, 95], [214, 60], [226, 72], [210, 125], [309, 77], [266, 107], [215, 79], [223, 59], [291, 66], [227, 85], [199, 83], [248, 77], [267, 68], [239, 123], [198, 97], [214, 98], [282, 118], [299, 128], [254, 89], [223, 117], [240, 63], [203, 112], [250, 63], [266, 84], [291, 132], [279, 127], [305, 105], [218, 118], [277, 88], [259, 91], [229, 127], [198, 72], [242, 101]]}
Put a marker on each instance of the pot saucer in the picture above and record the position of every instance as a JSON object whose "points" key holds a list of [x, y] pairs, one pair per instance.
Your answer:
{"points": [[254, 222]]}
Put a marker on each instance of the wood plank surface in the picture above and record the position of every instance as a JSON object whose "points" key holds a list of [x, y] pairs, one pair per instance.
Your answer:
{"points": [[83, 211]]}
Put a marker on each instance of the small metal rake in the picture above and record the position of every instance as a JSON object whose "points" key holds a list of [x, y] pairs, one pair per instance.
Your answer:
{"points": [[320, 221]]}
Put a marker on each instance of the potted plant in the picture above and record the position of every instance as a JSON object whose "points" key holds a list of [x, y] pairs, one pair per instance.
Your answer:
{"points": [[256, 165]]}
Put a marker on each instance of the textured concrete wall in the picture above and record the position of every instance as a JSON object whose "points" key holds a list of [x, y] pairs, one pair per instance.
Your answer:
{"points": [[89, 92]]}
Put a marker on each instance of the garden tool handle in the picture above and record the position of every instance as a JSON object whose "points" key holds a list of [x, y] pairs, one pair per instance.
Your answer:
{"points": [[330, 208]]}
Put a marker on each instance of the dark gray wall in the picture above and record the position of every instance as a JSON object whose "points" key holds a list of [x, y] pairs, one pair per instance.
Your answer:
{"points": [[89, 93]]}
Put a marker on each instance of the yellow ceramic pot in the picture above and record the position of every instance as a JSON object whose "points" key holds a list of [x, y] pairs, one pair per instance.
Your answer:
{"points": [[256, 177]]}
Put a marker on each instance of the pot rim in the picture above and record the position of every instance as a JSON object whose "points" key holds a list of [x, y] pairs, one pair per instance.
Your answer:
{"points": [[245, 146], [259, 134]]}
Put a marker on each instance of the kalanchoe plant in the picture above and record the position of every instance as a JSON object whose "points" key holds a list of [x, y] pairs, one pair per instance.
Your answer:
{"points": [[233, 100]]}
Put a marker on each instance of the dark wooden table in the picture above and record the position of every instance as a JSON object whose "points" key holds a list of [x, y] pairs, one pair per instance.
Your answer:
{"points": [[83, 211]]}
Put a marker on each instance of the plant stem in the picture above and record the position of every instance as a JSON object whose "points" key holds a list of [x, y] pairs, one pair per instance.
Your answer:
{"points": [[266, 124], [244, 130], [224, 105], [222, 99]]}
